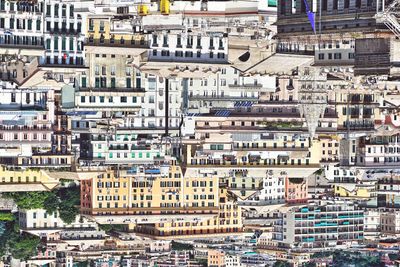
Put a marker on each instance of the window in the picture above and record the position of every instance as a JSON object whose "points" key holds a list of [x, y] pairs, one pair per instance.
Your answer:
{"points": [[321, 56], [198, 42], [165, 40], [63, 44], [83, 99], [128, 71], [128, 82], [151, 99], [101, 99], [56, 7], [64, 10], [134, 99], [113, 70], [112, 82], [29, 24], [189, 41], [124, 99], [55, 43], [178, 41], [97, 82], [211, 43]]}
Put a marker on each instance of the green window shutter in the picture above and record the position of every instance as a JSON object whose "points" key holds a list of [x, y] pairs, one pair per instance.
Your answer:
{"points": [[140, 155], [213, 147], [112, 82], [148, 155], [220, 147], [55, 43], [84, 82], [38, 23], [133, 155], [111, 155], [63, 44], [97, 82], [29, 24], [48, 43], [134, 99], [71, 44], [128, 82]]}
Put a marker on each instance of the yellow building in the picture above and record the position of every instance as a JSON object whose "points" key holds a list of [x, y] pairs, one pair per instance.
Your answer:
{"points": [[158, 192], [18, 179], [108, 30], [354, 190]]}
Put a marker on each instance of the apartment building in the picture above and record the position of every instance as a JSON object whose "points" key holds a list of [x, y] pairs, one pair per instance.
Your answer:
{"points": [[64, 33], [197, 204], [296, 190], [330, 148], [240, 149], [226, 88], [40, 221], [15, 179], [272, 190], [21, 27], [387, 190], [216, 258], [205, 47], [380, 149], [26, 129], [320, 225]]}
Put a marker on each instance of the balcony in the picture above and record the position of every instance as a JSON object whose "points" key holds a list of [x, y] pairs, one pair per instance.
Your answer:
{"points": [[115, 89], [223, 98], [64, 31], [117, 43]]}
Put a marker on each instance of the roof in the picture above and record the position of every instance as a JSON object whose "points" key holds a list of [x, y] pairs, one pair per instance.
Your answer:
{"points": [[182, 69], [280, 64]]}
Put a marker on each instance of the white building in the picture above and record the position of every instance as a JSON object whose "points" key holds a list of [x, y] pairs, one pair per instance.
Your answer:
{"points": [[232, 260], [21, 26], [38, 221], [320, 225], [177, 46], [64, 32], [26, 122]]}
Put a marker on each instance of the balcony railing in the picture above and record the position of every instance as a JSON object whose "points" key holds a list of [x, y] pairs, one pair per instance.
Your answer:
{"points": [[118, 43]]}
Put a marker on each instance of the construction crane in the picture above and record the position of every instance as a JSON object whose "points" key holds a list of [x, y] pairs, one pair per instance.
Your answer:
{"points": [[389, 16]]}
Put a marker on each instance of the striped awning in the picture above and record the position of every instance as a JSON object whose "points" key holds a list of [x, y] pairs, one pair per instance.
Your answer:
{"points": [[239, 104]]}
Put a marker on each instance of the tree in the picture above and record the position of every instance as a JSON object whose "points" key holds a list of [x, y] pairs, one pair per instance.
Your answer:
{"points": [[29, 200], [24, 247], [69, 200], [280, 263], [51, 203], [181, 246], [6, 216], [67, 212]]}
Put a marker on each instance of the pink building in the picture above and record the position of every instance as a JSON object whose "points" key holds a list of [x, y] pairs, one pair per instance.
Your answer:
{"points": [[296, 190]]}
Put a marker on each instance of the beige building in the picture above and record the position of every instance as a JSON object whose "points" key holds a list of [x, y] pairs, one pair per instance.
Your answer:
{"points": [[173, 204]]}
